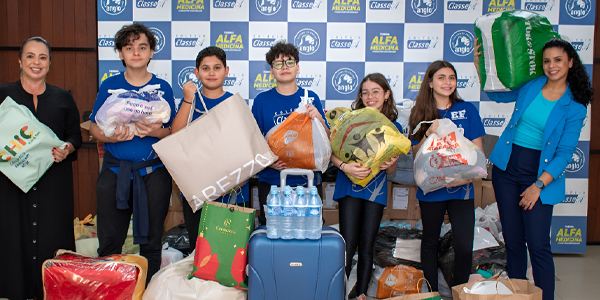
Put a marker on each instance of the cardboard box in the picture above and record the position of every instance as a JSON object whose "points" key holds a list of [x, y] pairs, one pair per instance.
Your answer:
{"points": [[173, 219], [487, 194], [331, 216], [176, 202], [402, 203], [328, 189]]}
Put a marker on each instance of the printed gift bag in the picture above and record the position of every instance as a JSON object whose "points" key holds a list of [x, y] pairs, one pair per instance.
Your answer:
{"points": [[27, 151], [221, 248]]}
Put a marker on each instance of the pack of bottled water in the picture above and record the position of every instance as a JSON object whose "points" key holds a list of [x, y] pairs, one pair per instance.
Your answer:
{"points": [[294, 214]]}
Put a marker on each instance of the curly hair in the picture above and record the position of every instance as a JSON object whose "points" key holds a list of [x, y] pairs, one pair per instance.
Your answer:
{"points": [[578, 79], [284, 48], [35, 39], [425, 107], [211, 51], [129, 33], [389, 106]]}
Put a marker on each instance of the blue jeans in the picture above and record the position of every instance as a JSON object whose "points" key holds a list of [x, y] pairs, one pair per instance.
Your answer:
{"points": [[524, 229]]}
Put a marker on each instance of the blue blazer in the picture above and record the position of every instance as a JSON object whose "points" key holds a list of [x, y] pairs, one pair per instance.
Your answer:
{"points": [[561, 135]]}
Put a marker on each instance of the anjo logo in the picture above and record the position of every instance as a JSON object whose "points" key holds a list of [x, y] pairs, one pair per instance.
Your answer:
{"points": [[113, 7], [578, 9], [160, 39], [461, 43], [268, 7], [423, 8], [578, 161], [344, 81], [307, 41], [186, 74]]}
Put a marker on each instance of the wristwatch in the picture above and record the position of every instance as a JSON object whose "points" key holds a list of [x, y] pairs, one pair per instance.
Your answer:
{"points": [[539, 184]]}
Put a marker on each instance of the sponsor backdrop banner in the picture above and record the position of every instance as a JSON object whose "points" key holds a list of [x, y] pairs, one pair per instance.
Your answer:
{"points": [[340, 41]]}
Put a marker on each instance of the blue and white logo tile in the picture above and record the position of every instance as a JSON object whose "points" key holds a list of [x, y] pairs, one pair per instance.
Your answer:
{"points": [[263, 35], [115, 10], [162, 70], [343, 79], [575, 202], [423, 42], [346, 10], [582, 38], [237, 80], [459, 42], [268, 10], [310, 39], [260, 78], [183, 71], [313, 77], [152, 10], [190, 10], [462, 11], [384, 42], [106, 40], [579, 165], [108, 68], [346, 41], [307, 11], [467, 81], [393, 73], [188, 38], [577, 12], [568, 234], [547, 8], [424, 11], [385, 11], [494, 6], [232, 37], [162, 33], [414, 75], [495, 116], [230, 10]]}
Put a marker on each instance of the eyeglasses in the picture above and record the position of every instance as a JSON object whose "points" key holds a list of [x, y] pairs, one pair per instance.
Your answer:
{"points": [[365, 94], [278, 64]]}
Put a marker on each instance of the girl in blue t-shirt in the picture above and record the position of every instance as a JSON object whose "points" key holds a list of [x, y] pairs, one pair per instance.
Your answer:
{"points": [[361, 208], [438, 99]]}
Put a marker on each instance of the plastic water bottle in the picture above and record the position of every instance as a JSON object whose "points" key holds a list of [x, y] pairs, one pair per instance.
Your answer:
{"points": [[273, 213], [300, 209], [313, 221], [287, 215]]}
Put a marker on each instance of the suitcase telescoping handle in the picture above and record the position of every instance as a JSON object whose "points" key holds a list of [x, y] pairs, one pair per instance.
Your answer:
{"points": [[301, 172]]}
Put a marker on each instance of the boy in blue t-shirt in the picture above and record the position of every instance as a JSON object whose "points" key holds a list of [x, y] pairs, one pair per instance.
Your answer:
{"points": [[133, 180], [211, 69], [272, 107]]}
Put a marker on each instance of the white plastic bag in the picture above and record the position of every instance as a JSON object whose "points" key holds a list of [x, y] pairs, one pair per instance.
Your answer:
{"points": [[447, 157], [125, 107], [169, 255], [483, 239]]}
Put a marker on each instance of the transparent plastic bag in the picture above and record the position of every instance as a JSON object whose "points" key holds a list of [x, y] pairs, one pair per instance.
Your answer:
{"points": [[85, 228], [447, 157], [124, 108]]}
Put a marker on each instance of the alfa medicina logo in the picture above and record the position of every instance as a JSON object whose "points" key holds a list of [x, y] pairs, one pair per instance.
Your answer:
{"points": [[461, 5], [538, 6], [230, 41], [491, 6], [186, 74], [266, 41], [268, 7], [581, 44], [344, 42], [461, 42], [578, 9], [578, 161], [264, 81], [160, 39], [227, 3], [190, 5], [233, 80], [346, 6], [308, 81], [189, 41], [422, 43], [573, 197], [494, 120], [306, 4], [423, 8], [384, 43], [113, 7], [344, 81], [383, 5], [414, 84], [307, 41], [106, 41], [149, 3]]}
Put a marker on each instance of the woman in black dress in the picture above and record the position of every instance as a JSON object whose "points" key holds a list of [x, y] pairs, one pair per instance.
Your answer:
{"points": [[34, 225]]}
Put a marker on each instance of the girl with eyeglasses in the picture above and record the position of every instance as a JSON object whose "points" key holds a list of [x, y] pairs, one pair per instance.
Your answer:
{"points": [[438, 99], [361, 208]]}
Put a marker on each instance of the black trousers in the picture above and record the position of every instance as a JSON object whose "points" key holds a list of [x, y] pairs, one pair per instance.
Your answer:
{"points": [[263, 191], [359, 223], [462, 218], [113, 223]]}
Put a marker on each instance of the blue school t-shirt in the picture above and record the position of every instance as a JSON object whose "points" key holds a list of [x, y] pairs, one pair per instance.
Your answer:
{"points": [[375, 190], [271, 108], [198, 111], [137, 149], [465, 116]]}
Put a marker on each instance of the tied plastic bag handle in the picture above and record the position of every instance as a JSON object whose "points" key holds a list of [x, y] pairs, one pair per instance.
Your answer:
{"points": [[193, 108], [445, 126]]}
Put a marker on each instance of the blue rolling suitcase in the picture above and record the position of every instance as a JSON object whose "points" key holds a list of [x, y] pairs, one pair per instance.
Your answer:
{"points": [[296, 269]]}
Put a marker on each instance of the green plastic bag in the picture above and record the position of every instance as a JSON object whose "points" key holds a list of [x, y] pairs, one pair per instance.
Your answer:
{"points": [[27, 145], [511, 46], [222, 244]]}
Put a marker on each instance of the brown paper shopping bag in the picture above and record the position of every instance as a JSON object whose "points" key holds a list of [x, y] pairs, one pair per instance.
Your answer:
{"points": [[419, 295], [216, 152], [521, 289]]}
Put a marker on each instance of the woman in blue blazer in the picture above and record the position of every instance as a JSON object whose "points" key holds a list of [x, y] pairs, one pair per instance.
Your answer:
{"points": [[531, 156]]}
